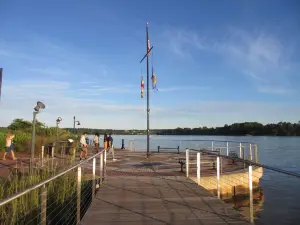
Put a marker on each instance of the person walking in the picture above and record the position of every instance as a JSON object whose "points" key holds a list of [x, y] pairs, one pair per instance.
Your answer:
{"points": [[111, 146], [83, 145], [96, 142], [9, 146]]}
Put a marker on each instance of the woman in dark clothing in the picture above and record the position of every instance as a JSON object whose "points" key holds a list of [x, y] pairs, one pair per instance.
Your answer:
{"points": [[105, 141]]}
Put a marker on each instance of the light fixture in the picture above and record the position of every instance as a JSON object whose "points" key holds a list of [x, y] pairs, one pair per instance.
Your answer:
{"points": [[39, 105]]}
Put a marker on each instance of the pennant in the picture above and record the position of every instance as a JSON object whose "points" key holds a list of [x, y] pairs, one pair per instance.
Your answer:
{"points": [[142, 87], [0, 81], [154, 81]]}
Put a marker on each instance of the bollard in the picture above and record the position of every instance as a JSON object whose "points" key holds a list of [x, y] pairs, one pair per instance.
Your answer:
{"points": [[123, 147], [178, 149], [158, 147], [187, 162], [212, 145], [198, 167], [251, 194], [218, 176]]}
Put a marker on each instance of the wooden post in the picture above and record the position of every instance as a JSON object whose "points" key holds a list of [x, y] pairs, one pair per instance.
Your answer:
{"points": [[43, 155], [94, 179], [198, 167], [251, 194], [218, 176], [78, 193], [44, 206], [187, 162], [104, 165]]}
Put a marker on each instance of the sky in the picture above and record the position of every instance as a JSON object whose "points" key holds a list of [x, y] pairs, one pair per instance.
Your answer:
{"points": [[216, 62]]}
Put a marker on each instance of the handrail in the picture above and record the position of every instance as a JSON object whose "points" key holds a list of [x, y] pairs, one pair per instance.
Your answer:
{"points": [[243, 142], [15, 196], [250, 162]]}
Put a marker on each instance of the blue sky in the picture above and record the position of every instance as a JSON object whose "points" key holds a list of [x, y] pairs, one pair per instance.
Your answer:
{"points": [[216, 62]]}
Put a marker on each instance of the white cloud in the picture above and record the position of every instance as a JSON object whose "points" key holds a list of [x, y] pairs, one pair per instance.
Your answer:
{"points": [[262, 56]]}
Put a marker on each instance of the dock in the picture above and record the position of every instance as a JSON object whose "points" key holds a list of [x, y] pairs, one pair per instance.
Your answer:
{"points": [[140, 190]]}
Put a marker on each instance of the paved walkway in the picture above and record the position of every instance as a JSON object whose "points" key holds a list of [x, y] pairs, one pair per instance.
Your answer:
{"points": [[149, 195]]}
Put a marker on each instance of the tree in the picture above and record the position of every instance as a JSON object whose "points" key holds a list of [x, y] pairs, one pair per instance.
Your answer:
{"points": [[24, 125]]}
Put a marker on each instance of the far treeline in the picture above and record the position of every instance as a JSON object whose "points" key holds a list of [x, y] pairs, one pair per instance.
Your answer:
{"points": [[236, 129]]}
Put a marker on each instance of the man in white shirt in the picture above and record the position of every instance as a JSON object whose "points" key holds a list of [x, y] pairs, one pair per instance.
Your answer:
{"points": [[96, 142], [83, 145]]}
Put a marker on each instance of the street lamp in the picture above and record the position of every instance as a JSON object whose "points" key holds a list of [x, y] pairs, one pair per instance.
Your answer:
{"points": [[58, 120], [39, 106], [78, 123]]}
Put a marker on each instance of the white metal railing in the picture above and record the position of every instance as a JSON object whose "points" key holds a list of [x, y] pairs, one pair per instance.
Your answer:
{"points": [[42, 188], [228, 179]]}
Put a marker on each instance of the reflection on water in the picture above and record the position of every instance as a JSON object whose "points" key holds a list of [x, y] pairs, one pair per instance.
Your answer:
{"points": [[242, 202]]}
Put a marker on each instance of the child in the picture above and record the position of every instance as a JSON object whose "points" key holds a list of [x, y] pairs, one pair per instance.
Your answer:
{"points": [[9, 146]]}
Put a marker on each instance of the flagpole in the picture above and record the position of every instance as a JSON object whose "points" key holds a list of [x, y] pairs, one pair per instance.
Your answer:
{"points": [[148, 95]]}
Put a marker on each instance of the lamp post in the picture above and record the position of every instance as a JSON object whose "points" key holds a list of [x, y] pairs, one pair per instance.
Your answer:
{"points": [[39, 105], [74, 121], [58, 120]]}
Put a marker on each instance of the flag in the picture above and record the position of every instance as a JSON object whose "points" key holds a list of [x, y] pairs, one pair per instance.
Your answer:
{"points": [[0, 81], [154, 81], [142, 87], [148, 50]]}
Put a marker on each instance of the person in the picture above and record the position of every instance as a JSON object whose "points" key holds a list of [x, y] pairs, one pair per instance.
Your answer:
{"points": [[9, 146], [105, 141], [96, 141], [111, 146], [83, 145]]}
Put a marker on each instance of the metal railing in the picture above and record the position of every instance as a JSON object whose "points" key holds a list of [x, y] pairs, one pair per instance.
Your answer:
{"points": [[54, 200], [238, 181]]}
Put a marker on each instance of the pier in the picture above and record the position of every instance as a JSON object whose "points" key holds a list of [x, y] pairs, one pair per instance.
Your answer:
{"points": [[138, 190]]}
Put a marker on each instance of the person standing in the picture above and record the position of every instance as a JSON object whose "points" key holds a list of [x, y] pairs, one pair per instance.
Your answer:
{"points": [[111, 146], [96, 142], [9, 146], [105, 144], [84, 146]]}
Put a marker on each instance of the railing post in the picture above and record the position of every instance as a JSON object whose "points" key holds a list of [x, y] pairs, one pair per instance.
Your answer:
{"points": [[187, 162], [52, 152], [212, 145], [101, 167], [250, 148], [78, 193], [198, 167], [218, 176], [43, 155], [158, 147], [251, 194], [130, 145], [104, 165], [134, 145], [44, 206], [227, 149], [240, 150], [256, 156], [94, 179]]}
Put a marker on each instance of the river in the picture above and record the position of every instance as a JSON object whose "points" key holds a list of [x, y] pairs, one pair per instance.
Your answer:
{"points": [[279, 203]]}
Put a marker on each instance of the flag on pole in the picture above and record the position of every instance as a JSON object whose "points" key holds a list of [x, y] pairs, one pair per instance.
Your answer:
{"points": [[0, 81], [142, 87], [154, 82], [148, 50]]}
